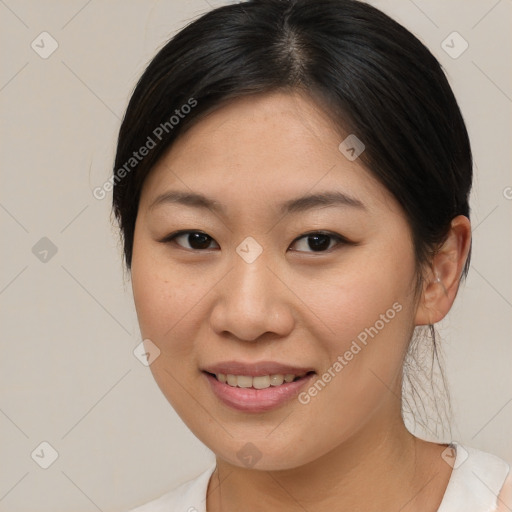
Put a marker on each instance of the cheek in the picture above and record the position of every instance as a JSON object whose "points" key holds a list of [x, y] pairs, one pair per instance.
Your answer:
{"points": [[361, 293], [166, 301], [168, 304], [367, 315]]}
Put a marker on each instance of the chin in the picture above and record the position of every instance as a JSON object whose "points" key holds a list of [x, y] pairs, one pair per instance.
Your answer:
{"points": [[264, 454]]}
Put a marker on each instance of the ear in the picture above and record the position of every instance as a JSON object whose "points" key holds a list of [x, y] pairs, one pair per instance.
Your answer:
{"points": [[442, 281]]}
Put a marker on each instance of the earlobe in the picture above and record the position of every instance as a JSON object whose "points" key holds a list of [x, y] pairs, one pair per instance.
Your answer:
{"points": [[442, 281]]}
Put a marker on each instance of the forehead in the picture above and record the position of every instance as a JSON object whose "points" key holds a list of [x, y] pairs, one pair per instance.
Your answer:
{"points": [[267, 147]]}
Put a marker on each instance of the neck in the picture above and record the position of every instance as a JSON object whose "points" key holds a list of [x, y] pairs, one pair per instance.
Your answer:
{"points": [[383, 467]]}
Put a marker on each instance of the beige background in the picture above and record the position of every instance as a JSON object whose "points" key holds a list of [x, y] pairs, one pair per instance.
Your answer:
{"points": [[68, 374]]}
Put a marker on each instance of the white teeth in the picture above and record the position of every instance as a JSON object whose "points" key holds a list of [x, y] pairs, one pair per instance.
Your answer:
{"points": [[276, 380], [243, 381], [260, 382]]}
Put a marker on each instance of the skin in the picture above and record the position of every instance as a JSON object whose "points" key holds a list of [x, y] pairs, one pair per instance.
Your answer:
{"points": [[292, 305]]}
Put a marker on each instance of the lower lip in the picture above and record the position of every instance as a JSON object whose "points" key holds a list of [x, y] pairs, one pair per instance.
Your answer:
{"points": [[256, 400]]}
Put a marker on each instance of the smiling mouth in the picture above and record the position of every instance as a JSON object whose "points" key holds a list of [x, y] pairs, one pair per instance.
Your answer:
{"points": [[258, 382]]}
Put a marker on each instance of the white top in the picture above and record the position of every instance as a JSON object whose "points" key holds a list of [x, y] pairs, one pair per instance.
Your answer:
{"points": [[477, 479]]}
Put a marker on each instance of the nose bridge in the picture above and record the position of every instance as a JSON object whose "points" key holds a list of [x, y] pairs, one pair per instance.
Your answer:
{"points": [[251, 300], [252, 289]]}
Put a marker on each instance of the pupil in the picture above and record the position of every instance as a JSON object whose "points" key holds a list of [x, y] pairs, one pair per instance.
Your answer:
{"points": [[198, 240], [320, 242]]}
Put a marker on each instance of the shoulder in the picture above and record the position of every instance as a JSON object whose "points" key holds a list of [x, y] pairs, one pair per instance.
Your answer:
{"points": [[188, 497], [476, 481]]}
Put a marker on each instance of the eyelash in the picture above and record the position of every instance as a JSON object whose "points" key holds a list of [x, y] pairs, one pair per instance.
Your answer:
{"points": [[340, 240]]}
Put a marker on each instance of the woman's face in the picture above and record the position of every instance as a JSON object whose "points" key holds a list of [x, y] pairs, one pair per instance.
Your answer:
{"points": [[254, 296]]}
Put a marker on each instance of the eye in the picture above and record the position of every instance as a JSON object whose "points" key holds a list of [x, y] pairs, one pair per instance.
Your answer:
{"points": [[196, 240], [316, 241], [320, 241]]}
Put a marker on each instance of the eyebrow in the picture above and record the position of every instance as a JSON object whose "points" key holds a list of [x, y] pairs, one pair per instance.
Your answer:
{"points": [[299, 204]]}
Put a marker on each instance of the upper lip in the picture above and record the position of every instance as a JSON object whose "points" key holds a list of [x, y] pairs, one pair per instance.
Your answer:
{"points": [[256, 369]]}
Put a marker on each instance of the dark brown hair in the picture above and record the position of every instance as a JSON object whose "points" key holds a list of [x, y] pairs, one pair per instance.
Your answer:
{"points": [[374, 78]]}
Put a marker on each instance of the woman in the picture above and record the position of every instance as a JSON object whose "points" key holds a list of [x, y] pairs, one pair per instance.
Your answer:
{"points": [[291, 183]]}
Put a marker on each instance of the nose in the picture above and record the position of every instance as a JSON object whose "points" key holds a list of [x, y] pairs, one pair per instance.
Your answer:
{"points": [[252, 300]]}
